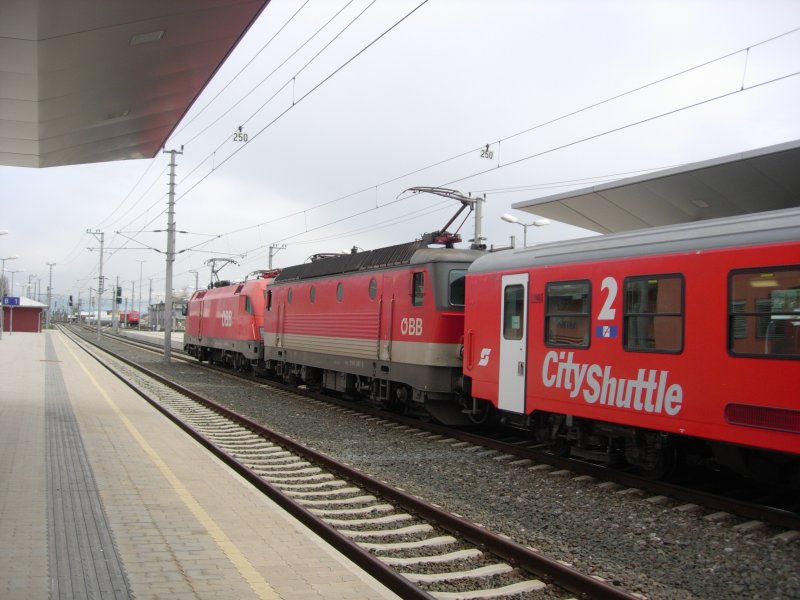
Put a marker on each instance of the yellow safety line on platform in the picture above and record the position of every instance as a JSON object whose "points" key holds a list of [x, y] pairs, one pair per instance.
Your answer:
{"points": [[245, 568]]}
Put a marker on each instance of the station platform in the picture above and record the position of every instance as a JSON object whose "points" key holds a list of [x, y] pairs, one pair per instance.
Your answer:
{"points": [[154, 336], [102, 497]]}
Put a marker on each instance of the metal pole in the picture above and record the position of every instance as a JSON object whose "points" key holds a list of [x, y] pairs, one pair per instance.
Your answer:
{"points": [[170, 256], [49, 294], [477, 243], [5, 292], [141, 264], [100, 236], [115, 309], [150, 306], [11, 316], [273, 250]]}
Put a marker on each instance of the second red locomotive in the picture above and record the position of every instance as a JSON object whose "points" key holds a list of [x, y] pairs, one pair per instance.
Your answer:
{"points": [[384, 324]]}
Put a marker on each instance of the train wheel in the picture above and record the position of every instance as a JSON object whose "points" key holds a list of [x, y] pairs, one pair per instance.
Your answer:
{"points": [[481, 412], [660, 463], [402, 395]]}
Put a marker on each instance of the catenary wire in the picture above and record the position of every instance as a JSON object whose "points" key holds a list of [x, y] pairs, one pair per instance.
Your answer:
{"points": [[275, 70], [241, 71], [304, 96], [743, 88]]}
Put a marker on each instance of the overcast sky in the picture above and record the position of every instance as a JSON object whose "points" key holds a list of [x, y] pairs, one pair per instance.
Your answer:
{"points": [[325, 166]]}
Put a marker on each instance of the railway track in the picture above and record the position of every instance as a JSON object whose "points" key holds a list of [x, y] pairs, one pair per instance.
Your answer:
{"points": [[416, 549], [745, 505]]}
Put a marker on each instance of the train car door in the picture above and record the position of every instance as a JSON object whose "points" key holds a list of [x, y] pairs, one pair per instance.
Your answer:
{"points": [[513, 338]]}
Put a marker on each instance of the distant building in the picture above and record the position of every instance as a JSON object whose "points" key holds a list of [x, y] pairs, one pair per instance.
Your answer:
{"points": [[155, 316], [26, 317]]}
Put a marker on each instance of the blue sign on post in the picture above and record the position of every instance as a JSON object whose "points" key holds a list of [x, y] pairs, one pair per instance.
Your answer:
{"points": [[10, 300]]}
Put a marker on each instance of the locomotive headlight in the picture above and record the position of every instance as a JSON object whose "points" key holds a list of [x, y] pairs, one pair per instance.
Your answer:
{"points": [[461, 352]]}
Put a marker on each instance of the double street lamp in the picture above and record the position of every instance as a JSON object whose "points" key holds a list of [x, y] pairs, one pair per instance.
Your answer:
{"points": [[49, 293], [537, 223]]}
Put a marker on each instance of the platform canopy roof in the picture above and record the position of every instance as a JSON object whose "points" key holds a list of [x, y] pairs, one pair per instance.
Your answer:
{"points": [[749, 182], [85, 81]]}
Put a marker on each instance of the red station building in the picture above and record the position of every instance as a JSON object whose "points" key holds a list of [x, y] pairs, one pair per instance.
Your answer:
{"points": [[27, 317]]}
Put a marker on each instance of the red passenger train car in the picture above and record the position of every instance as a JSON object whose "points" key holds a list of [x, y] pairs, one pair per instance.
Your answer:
{"points": [[224, 323], [384, 324], [640, 345]]}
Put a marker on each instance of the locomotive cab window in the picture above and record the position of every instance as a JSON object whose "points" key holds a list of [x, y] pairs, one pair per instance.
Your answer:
{"points": [[248, 305], [567, 314], [764, 312], [513, 312], [653, 313], [456, 286], [417, 288]]}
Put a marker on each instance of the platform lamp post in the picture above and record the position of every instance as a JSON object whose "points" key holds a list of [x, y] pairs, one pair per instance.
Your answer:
{"points": [[11, 310], [49, 294], [537, 223], [3, 281]]}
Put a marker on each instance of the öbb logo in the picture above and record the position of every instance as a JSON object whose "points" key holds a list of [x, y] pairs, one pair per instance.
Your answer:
{"points": [[227, 318], [411, 326]]}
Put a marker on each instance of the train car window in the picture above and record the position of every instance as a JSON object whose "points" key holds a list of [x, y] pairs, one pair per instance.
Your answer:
{"points": [[456, 287], [417, 288], [289, 296], [653, 313], [764, 312], [312, 294], [339, 291], [513, 312], [248, 305], [373, 288], [567, 314]]}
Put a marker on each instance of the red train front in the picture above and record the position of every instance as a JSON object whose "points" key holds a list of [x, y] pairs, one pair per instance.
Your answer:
{"points": [[129, 319], [224, 323], [633, 346], [385, 325]]}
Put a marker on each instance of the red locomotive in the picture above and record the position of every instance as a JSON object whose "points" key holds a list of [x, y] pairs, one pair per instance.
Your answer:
{"points": [[635, 345], [224, 323], [384, 324]]}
